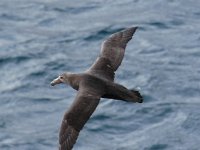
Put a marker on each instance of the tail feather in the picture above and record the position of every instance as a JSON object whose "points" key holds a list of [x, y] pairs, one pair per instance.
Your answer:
{"points": [[137, 95]]}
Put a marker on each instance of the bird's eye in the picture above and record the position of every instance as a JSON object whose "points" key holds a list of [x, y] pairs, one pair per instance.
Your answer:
{"points": [[61, 77]]}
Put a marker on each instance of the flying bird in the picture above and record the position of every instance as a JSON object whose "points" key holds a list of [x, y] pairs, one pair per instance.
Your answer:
{"points": [[95, 83]]}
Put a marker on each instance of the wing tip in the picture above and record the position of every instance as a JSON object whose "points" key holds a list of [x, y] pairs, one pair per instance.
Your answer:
{"points": [[127, 34], [132, 29]]}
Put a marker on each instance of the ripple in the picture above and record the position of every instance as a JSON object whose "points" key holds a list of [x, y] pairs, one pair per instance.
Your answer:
{"points": [[155, 113], [75, 10], [46, 22], [192, 123], [5, 16], [176, 22], [37, 74], [159, 25], [16, 59], [2, 124], [102, 117], [197, 14], [102, 33], [158, 147], [153, 51]]}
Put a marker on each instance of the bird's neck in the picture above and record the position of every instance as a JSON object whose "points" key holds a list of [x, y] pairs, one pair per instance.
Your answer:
{"points": [[73, 80]]}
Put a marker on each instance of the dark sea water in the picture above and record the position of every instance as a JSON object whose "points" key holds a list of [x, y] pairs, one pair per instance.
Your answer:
{"points": [[39, 39]]}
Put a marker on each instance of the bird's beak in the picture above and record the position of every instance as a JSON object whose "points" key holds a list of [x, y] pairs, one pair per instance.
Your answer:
{"points": [[56, 81]]}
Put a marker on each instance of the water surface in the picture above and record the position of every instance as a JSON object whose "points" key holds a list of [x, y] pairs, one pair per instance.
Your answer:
{"points": [[41, 39]]}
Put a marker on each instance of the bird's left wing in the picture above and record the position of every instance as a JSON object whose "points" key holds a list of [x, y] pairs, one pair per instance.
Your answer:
{"points": [[82, 108], [112, 54]]}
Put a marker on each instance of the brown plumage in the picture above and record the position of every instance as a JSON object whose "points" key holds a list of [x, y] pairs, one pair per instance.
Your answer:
{"points": [[96, 83]]}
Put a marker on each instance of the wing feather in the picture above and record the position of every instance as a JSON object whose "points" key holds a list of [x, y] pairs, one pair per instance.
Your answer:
{"points": [[79, 113], [114, 47], [112, 53]]}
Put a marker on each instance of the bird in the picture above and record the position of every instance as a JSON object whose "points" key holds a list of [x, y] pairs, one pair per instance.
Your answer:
{"points": [[93, 84]]}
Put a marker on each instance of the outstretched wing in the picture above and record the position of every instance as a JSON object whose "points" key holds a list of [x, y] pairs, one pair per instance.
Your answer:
{"points": [[112, 53], [82, 108]]}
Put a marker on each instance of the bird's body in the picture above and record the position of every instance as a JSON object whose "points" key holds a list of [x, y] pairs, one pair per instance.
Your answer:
{"points": [[92, 85]]}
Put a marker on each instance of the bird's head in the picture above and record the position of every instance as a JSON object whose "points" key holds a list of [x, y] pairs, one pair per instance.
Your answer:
{"points": [[63, 78]]}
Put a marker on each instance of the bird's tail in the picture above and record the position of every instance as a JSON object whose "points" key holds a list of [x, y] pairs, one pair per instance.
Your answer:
{"points": [[137, 96]]}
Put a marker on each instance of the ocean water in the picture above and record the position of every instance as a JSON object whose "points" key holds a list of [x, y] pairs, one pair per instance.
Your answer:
{"points": [[39, 39]]}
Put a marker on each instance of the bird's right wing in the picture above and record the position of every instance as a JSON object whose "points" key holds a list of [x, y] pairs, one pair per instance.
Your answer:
{"points": [[82, 108]]}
